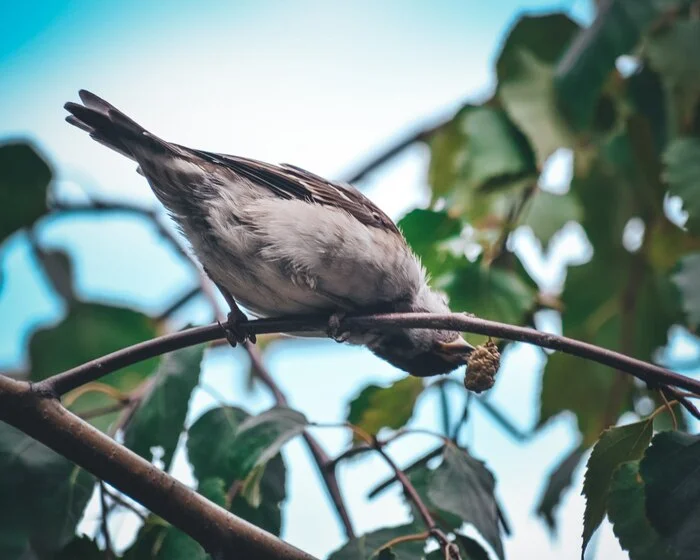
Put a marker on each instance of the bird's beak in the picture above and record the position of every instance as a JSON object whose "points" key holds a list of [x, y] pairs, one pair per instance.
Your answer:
{"points": [[455, 351]]}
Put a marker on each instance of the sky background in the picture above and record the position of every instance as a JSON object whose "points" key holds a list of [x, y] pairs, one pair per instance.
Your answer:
{"points": [[322, 85]]}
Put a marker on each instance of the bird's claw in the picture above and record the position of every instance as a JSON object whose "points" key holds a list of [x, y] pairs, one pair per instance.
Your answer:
{"points": [[236, 333], [334, 324]]}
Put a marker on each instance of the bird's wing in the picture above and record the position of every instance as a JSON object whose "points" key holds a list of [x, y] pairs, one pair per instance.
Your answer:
{"points": [[291, 182]]}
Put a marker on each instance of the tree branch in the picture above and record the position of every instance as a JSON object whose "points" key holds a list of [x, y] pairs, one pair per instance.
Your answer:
{"points": [[652, 374], [218, 531]]}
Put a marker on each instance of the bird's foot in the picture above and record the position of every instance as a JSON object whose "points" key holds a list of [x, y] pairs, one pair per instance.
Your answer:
{"points": [[236, 333], [334, 327]]}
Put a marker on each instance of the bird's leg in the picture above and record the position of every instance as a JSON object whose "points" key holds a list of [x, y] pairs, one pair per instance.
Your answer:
{"points": [[333, 329], [235, 334]]}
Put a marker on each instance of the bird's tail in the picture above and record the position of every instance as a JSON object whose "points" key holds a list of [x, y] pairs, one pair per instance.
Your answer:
{"points": [[109, 126]]}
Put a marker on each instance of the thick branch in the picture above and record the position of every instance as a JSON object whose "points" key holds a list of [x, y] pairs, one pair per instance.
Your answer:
{"points": [[218, 531], [650, 373]]}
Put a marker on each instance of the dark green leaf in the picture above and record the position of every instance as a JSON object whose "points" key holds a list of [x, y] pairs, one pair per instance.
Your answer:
{"points": [[627, 514], [47, 494], [80, 548], [525, 71], [267, 514], [589, 61], [385, 407], [368, 546], [615, 446], [546, 213], [687, 280], [463, 486], [213, 489], [469, 549], [671, 473], [426, 232], [158, 540], [672, 50], [160, 418], [88, 332], [682, 173], [487, 291], [558, 481], [215, 452], [24, 179]]}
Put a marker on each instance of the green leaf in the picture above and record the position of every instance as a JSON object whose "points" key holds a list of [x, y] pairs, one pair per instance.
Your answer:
{"points": [[589, 61], [89, 331], [687, 280], [463, 486], [160, 418], [487, 291], [214, 490], [627, 513], [682, 174], [385, 407], [217, 447], [671, 472], [24, 179], [368, 546], [526, 89], [672, 51], [615, 446], [80, 548], [47, 494], [547, 213], [267, 512], [558, 481], [469, 549], [427, 232], [158, 540]]}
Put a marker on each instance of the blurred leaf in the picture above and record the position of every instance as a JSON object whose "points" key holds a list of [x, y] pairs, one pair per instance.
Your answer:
{"points": [[489, 292], [525, 71], [627, 514], [216, 450], [90, 331], [267, 514], [421, 479], [43, 496], [80, 548], [546, 213], [597, 309], [672, 50], [385, 407], [463, 486], [682, 173], [24, 179], [365, 547], [687, 280], [160, 418], [59, 269], [214, 490], [671, 473], [615, 446], [646, 94], [426, 231], [589, 61], [158, 540], [668, 244], [558, 481]]}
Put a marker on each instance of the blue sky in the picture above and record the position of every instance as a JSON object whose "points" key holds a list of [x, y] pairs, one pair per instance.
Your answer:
{"points": [[318, 84]]}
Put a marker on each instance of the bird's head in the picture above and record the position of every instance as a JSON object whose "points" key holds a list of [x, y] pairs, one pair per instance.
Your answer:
{"points": [[424, 352]]}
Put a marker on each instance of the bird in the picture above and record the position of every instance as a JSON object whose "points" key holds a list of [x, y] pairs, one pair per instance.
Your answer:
{"points": [[279, 240]]}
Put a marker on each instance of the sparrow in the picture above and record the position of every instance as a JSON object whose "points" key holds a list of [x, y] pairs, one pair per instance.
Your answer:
{"points": [[280, 240]]}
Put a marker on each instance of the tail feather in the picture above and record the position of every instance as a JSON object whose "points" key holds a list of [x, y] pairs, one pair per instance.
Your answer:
{"points": [[108, 125]]}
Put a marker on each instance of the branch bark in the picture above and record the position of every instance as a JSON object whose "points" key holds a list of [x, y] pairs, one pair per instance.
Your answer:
{"points": [[652, 374], [222, 534]]}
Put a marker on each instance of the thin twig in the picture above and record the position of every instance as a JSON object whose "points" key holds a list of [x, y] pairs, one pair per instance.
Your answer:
{"points": [[414, 497], [179, 303], [650, 373], [421, 134], [109, 549], [417, 463], [118, 500]]}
